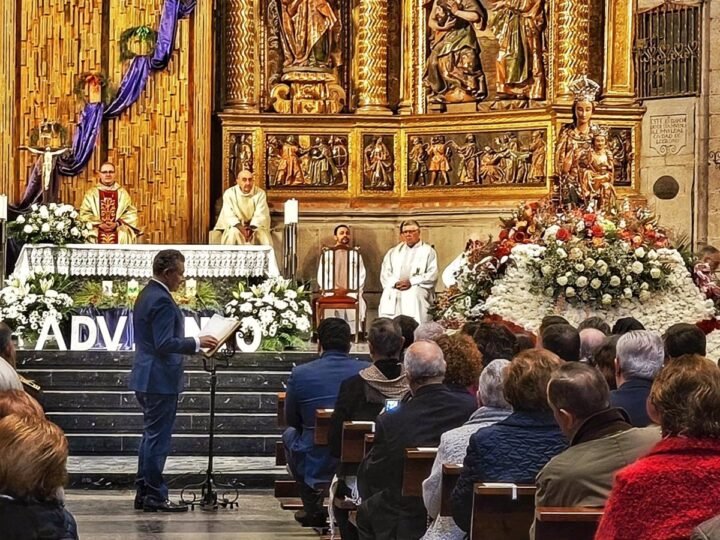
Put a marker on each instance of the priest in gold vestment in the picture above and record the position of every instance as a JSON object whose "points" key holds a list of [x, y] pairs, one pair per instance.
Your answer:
{"points": [[109, 208], [245, 215]]}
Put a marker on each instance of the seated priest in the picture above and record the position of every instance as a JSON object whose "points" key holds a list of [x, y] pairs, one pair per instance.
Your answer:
{"points": [[245, 215], [337, 268], [110, 210]]}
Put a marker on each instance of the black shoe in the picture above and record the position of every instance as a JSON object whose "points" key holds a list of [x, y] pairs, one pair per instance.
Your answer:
{"points": [[313, 520], [138, 504], [163, 506]]}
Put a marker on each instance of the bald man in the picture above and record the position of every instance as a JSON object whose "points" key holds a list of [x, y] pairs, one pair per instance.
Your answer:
{"points": [[245, 215]]}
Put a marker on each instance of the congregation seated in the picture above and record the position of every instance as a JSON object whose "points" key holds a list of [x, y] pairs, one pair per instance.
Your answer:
{"points": [[625, 325], [682, 338], [547, 321], [598, 323], [602, 441], [590, 339], [673, 489], [419, 422], [524, 342], [312, 386], [33, 470], [515, 449], [493, 407], [563, 340], [20, 403], [639, 358], [245, 215], [603, 359], [495, 342], [362, 397], [408, 325], [464, 364], [428, 331]]}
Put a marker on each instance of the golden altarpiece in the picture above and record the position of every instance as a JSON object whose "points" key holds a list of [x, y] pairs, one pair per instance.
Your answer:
{"points": [[410, 104]]}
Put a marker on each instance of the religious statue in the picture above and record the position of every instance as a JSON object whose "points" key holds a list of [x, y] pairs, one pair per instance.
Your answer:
{"points": [[309, 31], [47, 165], [575, 138], [418, 156], [439, 164], [321, 168], [598, 173], [620, 142], [378, 167], [289, 171], [340, 157], [490, 170], [470, 154], [519, 26], [453, 73], [538, 148]]}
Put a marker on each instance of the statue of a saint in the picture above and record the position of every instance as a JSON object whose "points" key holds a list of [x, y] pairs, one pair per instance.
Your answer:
{"points": [[519, 26], [597, 166], [574, 139], [47, 164], [470, 154], [309, 32], [453, 73], [289, 171], [418, 156], [538, 148], [378, 164], [439, 165], [321, 169]]}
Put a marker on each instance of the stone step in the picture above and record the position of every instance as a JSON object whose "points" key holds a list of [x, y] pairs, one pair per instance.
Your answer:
{"points": [[186, 422], [110, 400], [183, 444]]}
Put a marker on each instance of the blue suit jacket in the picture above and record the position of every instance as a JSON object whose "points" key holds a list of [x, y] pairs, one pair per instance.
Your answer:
{"points": [[311, 386], [632, 396], [160, 344]]}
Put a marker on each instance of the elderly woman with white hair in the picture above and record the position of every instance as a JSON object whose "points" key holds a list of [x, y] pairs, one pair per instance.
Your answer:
{"points": [[453, 444]]}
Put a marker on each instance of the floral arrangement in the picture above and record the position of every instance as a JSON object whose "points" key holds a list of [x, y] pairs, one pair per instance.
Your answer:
{"points": [[137, 41], [281, 308], [94, 86], [26, 304], [52, 224]]}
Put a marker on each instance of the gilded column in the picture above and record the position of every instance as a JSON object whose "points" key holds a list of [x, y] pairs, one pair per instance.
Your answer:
{"points": [[372, 57], [8, 108], [241, 55], [618, 83], [572, 44], [409, 53]]}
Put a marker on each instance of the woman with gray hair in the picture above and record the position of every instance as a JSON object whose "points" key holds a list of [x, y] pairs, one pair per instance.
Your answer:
{"points": [[453, 444]]}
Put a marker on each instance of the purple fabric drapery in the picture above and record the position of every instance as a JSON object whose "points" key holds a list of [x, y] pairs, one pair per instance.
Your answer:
{"points": [[93, 114]]}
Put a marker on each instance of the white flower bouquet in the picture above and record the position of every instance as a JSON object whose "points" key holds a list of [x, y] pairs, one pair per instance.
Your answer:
{"points": [[26, 304], [50, 224], [281, 308]]}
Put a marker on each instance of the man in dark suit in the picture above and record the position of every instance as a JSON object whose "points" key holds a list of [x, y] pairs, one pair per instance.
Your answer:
{"points": [[311, 386], [157, 375], [385, 514]]}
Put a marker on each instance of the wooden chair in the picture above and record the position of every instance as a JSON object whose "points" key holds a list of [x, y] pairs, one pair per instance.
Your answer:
{"points": [[339, 295], [450, 474], [281, 422], [368, 443], [353, 442], [322, 426], [502, 511], [416, 468], [566, 523]]}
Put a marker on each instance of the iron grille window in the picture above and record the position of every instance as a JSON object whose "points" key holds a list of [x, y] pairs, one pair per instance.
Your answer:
{"points": [[667, 51]]}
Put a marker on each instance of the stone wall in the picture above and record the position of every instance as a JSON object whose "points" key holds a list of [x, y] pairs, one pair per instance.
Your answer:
{"points": [[712, 218]]}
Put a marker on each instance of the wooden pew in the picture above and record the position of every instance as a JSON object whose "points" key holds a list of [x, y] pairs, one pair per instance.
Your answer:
{"points": [[322, 426], [566, 523], [281, 410], [368, 443], [450, 474], [353, 441], [496, 515], [416, 468]]}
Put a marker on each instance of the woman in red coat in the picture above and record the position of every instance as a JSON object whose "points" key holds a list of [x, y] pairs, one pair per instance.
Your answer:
{"points": [[667, 493]]}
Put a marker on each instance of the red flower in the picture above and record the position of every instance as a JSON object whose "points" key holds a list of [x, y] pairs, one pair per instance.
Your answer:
{"points": [[503, 250], [589, 219], [519, 237], [597, 231], [504, 234], [563, 235]]}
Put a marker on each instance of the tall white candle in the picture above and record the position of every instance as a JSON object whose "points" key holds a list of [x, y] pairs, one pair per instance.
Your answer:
{"points": [[3, 207], [291, 211]]}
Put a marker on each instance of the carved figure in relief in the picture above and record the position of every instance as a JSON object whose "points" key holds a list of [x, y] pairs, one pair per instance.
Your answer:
{"points": [[453, 73], [538, 148], [308, 30], [490, 170], [322, 169], [340, 157], [418, 156], [439, 165], [378, 165], [598, 173], [289, 170], [470, 154], [621, 145], [576, 138], [519, 26]]}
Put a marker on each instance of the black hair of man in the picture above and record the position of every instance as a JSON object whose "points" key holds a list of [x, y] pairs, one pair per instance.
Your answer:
{"points": [[495, 342], [549, 320], [563, 340], [5, 336], [334, 335], [406, 223], [338, 227], [470, 328], [579, 389], [385, 339], [407, 326], [683, 338], [167, 259], [524, 342], [626, 324], [598, 323]]}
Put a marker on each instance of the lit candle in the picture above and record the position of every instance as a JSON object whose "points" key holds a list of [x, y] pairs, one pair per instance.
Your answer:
{"points": [[3, 207]]}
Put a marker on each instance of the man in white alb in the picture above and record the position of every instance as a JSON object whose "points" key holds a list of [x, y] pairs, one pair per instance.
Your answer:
{"points": [[408, 276], [337, 267], [245, 215]]}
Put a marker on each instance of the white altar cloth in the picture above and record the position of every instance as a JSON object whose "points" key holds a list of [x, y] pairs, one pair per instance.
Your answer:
{"points": [[135, 260]]}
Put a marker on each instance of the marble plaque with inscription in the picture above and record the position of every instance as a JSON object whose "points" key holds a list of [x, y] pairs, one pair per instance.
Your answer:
{"points": [[668, 133]]}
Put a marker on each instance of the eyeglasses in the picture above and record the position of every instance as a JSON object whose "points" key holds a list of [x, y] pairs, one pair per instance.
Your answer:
{"points": [[410, 231], [106, 172]]}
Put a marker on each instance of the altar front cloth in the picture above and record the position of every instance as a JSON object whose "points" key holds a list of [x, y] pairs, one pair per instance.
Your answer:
{"points": [[135, 261]]}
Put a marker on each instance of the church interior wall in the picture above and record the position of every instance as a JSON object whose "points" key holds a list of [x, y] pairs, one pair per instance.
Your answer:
{"points": [[713, 135]]}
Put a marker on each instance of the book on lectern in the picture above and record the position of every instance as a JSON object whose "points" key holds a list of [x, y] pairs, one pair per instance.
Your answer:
{"points": [[222, 329]]}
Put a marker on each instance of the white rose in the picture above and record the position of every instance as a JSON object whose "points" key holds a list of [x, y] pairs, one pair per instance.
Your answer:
{"points": [[73, 214], [562, 253], [562, 281], [580, 227], [575, 254], [655, 273], [27, 229], [74, 231], [34, 207], [644, 296], [580, 267], [545, 270], [60, 226], [551, 231], [596, 283], [644, 286], [44, 212], [581, 282], [20, 219], [589, 263], [602, 270], [640, 252], [652, 255], [637, 267], [627, 293], [615, 281], [45, 227], [606, 299], [569, 292], [549, 291]]}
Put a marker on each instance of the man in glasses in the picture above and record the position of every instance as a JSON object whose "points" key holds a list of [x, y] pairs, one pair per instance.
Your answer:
{"points": [[408, 276], [109, 209]]}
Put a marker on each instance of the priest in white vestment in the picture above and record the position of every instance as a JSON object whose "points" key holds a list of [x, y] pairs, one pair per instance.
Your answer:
{"points": [[337, 268], [109, 209], [408, 276], [245, 215]]}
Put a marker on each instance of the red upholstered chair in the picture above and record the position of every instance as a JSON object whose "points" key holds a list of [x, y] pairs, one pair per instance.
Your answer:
{"points": [[339, 286]]}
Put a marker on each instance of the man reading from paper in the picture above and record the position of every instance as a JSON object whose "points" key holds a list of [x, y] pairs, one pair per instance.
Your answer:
{"points": [[338, 267], [245, 215], [110, 210], [408, 276]]}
